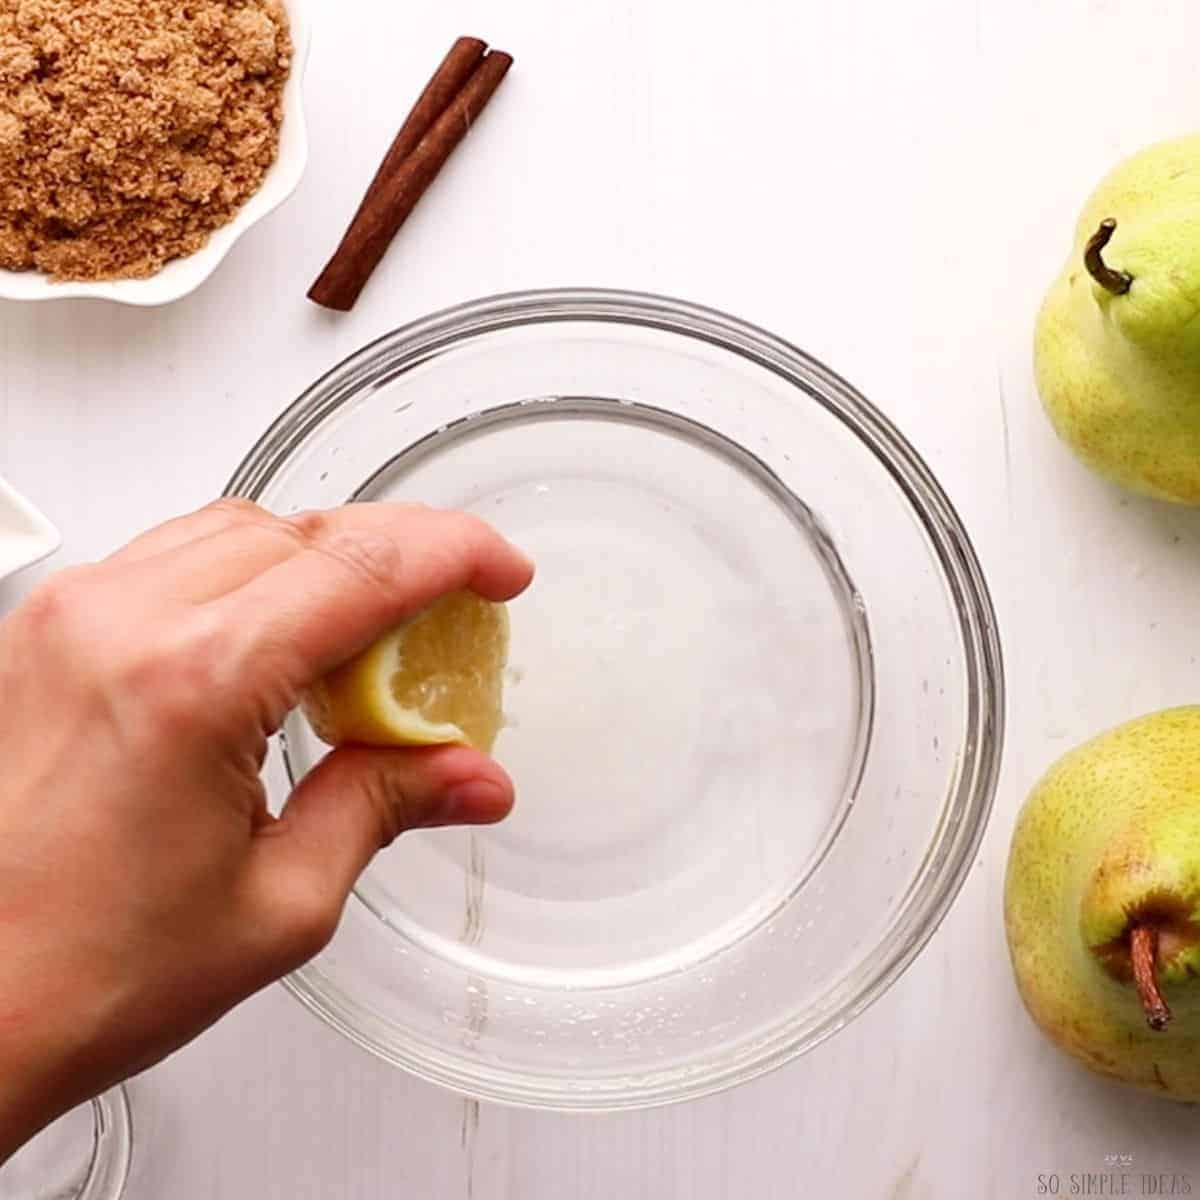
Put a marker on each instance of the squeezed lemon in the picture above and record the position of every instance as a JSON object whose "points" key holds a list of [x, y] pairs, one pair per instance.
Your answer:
{"points": [[437, 678]]}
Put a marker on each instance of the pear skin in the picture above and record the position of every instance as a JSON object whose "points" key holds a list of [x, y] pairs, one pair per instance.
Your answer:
{"points": [[1117, 345], [1102, 903]]}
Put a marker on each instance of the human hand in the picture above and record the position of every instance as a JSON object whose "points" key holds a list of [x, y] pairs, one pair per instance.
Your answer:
{"points": [[144, 887]]}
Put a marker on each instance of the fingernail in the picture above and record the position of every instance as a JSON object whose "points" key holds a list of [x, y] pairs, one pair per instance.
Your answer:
{"points": [[478, 802]]}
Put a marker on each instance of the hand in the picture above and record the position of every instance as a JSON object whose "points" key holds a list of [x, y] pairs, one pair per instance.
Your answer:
{"points": [[144, 888]]}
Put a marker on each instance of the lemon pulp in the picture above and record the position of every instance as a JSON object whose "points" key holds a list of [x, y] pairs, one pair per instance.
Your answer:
{"points": [[437, 678]]}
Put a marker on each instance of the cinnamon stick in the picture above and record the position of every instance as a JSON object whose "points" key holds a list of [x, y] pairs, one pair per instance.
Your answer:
{"points": [[448, 80], [450, 104]]}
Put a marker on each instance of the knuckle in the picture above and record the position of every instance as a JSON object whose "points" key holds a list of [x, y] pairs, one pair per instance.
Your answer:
{"points": [[310, 526], [59, 609], [474, 540], [237, 509], [471, 531], [56, 595], [301, 529], [373, 557], [416, 509]]}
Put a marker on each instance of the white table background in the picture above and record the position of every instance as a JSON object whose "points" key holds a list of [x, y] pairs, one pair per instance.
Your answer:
{"points": [[892, 186]]}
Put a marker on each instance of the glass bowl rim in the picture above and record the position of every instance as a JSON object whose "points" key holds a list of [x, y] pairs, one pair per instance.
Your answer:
{"points": [[111, 1146], [965, 812], [113, 1125]]}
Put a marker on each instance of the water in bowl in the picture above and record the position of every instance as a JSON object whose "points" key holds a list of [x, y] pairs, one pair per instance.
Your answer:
{"points": [[687, 705]]}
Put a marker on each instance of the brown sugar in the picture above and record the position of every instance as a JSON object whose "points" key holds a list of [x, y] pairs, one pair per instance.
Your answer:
{"points": [[131, 129]]}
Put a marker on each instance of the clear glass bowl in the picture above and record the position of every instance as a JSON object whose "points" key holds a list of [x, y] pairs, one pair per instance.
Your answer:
{"points": [[83, 1156], [754, 701]]}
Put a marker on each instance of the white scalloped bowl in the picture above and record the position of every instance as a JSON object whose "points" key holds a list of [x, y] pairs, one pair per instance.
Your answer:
{"points": [[182, 276]]}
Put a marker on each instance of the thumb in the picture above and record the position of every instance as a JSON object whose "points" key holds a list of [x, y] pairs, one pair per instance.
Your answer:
{"points": [[354, 803]]}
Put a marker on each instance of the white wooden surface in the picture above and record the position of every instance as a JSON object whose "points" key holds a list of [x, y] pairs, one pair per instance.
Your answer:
{"points": [[889, 185]]}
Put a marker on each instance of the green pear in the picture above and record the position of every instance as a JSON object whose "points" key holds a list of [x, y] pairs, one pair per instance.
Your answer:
{"points": [[1117, 348], [1102, 903]]}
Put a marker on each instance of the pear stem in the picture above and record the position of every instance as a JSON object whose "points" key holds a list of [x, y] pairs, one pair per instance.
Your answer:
{"points": [[1117, 282], [1143, 949]]}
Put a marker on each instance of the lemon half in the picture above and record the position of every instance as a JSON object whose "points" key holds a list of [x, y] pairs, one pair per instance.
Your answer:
{"points": [[437, 678]]}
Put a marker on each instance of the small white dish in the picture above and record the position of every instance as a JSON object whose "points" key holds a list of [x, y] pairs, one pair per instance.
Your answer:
{"points": [[26, 537], [182, 276]]}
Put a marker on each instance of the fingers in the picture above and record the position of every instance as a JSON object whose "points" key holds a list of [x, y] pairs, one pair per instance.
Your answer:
{"points": [[362, 570], [222, 546], [228, 560], [211, 566], [220, 515], [230, 542], [354, 803]]}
